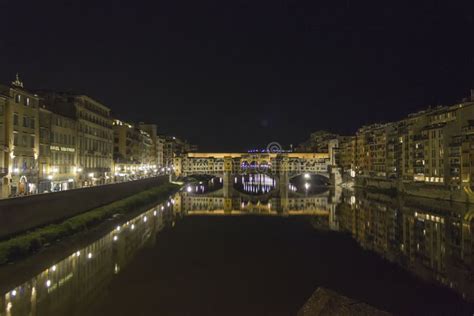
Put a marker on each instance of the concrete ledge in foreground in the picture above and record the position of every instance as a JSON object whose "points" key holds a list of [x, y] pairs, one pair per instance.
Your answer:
{"points": [[327, 302]]}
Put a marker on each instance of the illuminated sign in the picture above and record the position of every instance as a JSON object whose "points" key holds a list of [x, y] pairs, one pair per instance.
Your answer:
{"points": [[60, 148]]}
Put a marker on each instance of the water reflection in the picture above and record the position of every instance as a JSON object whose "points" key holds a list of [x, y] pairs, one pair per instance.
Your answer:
{"points": [[256, 184], [68, 286], [244, 204], [429, 239], [432, 239], [204, 186]]}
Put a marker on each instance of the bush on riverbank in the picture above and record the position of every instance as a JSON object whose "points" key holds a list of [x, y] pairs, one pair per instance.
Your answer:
{"points": [[25, 244]]}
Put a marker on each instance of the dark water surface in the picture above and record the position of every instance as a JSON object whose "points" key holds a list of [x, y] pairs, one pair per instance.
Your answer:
{"points": [[209, 255], [257, 265]]}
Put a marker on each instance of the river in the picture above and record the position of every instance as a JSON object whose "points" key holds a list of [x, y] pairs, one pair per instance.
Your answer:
{"points": [[203, 254]]}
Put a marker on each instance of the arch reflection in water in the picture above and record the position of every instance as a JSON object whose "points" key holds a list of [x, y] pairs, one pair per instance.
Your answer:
{"points": [[204, 186], [254, 183], [67, 286], [241, 204]]}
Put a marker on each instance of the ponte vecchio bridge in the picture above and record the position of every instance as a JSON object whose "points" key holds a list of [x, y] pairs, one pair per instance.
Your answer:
{"points": [[280, 166]]}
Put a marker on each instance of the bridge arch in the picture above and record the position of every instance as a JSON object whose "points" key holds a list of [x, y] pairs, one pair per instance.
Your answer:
{"points": [[324, 176]]}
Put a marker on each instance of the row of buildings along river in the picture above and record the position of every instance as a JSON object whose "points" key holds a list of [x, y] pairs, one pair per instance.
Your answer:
{"points": [[433, 147], [53, 141]]}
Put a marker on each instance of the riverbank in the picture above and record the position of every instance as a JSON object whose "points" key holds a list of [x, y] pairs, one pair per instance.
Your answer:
{"points": [[31, 242], [395, 187], [19, 215]]}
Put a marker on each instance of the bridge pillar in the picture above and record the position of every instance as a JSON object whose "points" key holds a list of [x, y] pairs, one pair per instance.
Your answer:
{"points": [[228, 205], [333, 222], [335, 177], [283, 182], [227, 178]]}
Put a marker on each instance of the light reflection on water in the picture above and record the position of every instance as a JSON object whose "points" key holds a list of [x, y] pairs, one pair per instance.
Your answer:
{"points": [[431, 240], [68, 285], [254, 183]]}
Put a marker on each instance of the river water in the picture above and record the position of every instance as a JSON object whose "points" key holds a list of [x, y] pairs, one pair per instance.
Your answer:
{"points": [[203, 254]]}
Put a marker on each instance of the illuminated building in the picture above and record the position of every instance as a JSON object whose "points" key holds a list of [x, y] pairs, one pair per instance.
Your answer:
{"points": [[157, 144], [58, 162], [434, 146], [375, 150], [134, 153], [346, 153], [94, 134], [19, 140]]}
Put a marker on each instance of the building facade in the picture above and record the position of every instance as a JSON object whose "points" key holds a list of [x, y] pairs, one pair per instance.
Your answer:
{"points": [[345, 157], [19, 140], [134, 152], [94, 134], [58, 167], [434, 146], [157, 144]]}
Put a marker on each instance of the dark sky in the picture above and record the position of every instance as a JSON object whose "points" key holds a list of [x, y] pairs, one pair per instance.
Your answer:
{"points": [[233, 75]]}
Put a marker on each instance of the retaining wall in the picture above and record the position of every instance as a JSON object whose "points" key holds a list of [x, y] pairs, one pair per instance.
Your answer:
{"points": [[424, 190], [24, 213]]}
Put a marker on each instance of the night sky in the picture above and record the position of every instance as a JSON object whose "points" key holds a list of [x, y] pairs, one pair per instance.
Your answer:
{"points": [[234, 75]]}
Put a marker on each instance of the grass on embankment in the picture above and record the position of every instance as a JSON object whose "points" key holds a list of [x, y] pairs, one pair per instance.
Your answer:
{"points": [[30, 242]]}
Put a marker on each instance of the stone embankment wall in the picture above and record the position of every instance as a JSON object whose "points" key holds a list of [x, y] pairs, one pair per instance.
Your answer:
{"points": [[24, 213], [431, 191]]}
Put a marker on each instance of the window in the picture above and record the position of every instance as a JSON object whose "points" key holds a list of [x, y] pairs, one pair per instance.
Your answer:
{"points": [[32, 122], [17, 98], [32, 141], [27, 101], [25, 121], [15, 118], [15, 139]]}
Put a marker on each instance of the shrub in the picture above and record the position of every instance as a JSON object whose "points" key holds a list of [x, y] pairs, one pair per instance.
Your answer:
{"points": [[23, 245]]}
